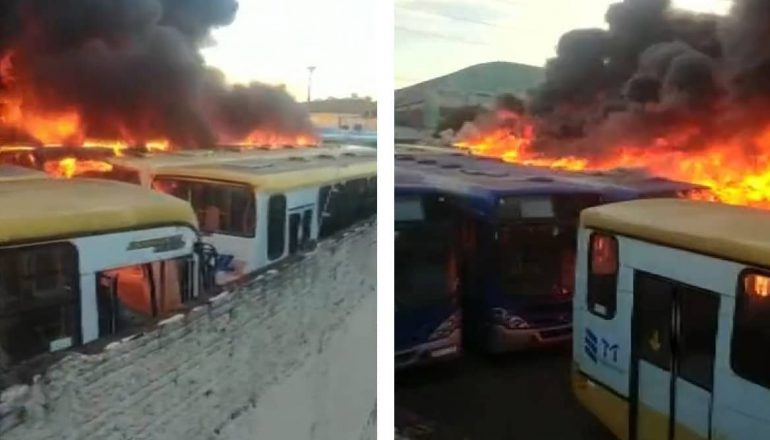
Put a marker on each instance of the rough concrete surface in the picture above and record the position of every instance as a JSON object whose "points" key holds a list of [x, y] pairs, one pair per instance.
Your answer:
{"points": [[291, 355]]}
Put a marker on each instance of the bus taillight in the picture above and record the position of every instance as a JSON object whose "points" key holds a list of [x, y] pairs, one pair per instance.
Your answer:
{"points": [[757, 285], [604, 254]]}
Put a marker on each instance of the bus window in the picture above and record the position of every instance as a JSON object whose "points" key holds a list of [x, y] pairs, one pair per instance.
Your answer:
{"points": [[131, 296], [423, 275], [751, 332], [602, 275], [371, 197], [221, 208], [528, 258], [360, 199], [332, 219], [294, 231], [307, 218], [276, 226], [409, 208], [38, 301]]}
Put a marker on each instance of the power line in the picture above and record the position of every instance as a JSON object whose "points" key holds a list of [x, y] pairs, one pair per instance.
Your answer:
{"points": [[451, 17], [440, 36]]}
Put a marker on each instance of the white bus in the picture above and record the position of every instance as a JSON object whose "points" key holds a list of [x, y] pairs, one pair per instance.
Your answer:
{"points": [[140, 168], [84, 259], [672, 319], [257, 212]]}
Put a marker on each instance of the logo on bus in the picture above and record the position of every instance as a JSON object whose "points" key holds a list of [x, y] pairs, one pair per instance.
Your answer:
{"points": [[164, 244], [225, 263], [601, 350]]}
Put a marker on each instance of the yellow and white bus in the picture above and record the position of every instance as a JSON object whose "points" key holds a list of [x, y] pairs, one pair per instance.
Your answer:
{"points": [[672, 319], [83, 259], [140, 168], [256, 212]]}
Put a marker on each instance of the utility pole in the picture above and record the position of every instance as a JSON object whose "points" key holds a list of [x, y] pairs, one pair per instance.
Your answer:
{"points": [[310, 70]]}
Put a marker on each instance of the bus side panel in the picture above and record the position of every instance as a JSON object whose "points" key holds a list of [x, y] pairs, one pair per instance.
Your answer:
{"points": [[101, 252], [236, 256], [741, 408], [602, 346], [601, 350]]}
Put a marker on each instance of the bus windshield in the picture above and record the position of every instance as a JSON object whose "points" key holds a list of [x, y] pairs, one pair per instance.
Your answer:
{"points": [[534, 259], [421, 272]]}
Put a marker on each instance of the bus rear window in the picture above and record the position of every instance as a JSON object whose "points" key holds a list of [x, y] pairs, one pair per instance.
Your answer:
{"points": [[221, 208], [602, 275], [750, 330], [38, 301]]}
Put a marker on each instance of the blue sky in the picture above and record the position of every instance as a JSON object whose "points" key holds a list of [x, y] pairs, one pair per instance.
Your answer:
{"points": [[435, 37], [274, 41]]}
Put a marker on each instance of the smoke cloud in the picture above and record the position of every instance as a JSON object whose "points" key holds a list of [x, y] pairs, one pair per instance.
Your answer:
{"points": [[131, 70]]}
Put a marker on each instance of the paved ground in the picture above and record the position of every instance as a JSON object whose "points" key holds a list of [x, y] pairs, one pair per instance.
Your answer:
{"points": [[522, 396]]}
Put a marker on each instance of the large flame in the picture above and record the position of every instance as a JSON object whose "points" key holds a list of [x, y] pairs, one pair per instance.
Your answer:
{"points": [[71, 166], [25, 118], [737, 170]]}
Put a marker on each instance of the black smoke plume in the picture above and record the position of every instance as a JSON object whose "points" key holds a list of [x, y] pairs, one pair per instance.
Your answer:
{"points": [[133, 71], [654, 70]]}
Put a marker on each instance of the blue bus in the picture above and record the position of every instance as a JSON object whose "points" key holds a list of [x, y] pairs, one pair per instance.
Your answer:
{"points": [[516, 234], [427, 321]]}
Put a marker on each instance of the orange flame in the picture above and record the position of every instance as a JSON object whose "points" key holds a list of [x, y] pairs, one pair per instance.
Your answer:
{"points": [[70, 166], [734, 175], [270, 139]]}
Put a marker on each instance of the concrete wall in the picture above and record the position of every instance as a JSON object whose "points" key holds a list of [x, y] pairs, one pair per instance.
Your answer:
{"points": [[290, 356]]}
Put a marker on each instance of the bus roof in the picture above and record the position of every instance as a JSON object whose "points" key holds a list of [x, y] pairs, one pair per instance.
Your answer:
{"points": [[732, 232], [497, 175], [481, 177], [47, 208], [13, 173], [159, 160], [281, 175]]}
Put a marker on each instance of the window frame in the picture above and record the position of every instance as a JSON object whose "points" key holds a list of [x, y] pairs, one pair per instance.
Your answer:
{"points": [[271, 255], [591, 278]]}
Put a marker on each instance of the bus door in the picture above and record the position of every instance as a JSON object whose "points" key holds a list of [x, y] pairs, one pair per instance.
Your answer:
{"points": [[299, 230], [674, 329]]}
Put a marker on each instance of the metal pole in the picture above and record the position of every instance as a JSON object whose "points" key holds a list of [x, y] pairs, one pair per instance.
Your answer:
{"points": [[310, 70]]}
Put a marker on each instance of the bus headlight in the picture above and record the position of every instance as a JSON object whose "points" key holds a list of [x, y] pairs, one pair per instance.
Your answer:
{"points": [[445, 329], [516, 323], [513, 322]]}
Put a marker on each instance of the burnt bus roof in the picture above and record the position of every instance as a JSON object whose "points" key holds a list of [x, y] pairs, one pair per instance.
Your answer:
{"points": [[462, 175], [497, 175]]}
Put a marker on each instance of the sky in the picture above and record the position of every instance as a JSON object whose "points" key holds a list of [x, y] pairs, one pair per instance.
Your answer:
{"points": [[453, 34], [274, 42]]}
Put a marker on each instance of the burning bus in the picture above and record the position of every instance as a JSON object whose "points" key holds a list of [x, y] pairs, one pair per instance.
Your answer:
{"points": [[515, 229], [428, 316], [85, 259]]}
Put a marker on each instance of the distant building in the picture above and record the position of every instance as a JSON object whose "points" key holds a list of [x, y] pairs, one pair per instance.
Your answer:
{"points": [[344, 114], [423, 105]]}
